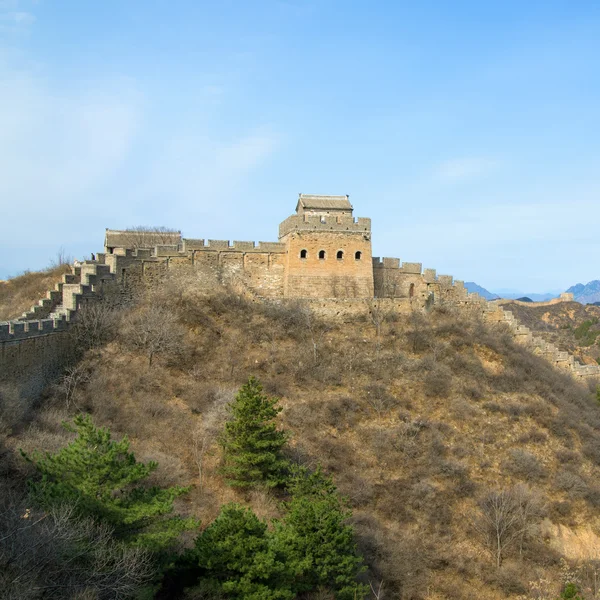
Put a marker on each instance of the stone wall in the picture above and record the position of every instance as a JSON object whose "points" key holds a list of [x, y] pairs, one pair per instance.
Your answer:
{"points": [[29, 363]]}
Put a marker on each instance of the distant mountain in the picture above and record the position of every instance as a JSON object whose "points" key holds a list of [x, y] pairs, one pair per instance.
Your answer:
{"points": [[511, 294], [473, 287], [588, 293], [516, 295]]}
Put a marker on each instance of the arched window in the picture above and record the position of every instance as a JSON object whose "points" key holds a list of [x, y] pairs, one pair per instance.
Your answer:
{"points": [[321, 254], [358, 255], [340, 254], [303, 253], [411, 290]]}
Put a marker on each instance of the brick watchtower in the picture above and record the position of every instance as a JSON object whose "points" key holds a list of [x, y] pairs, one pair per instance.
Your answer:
{"points": [[328, 251]]}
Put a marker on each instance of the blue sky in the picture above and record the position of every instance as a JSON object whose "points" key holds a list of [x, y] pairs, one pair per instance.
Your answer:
{"points": [[468, 131]]}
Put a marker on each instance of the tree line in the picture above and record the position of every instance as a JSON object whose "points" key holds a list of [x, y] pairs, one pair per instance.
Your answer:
{"points": [[104, 532]]}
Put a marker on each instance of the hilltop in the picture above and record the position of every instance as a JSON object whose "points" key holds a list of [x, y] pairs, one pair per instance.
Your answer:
{"points": [[419, 417]]}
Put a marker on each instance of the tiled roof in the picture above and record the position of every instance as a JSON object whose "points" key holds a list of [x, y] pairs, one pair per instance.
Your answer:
{"points": [[309, 201]]}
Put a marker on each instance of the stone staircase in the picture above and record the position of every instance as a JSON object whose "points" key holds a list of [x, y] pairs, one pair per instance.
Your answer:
{"points": [[83, 285], [54, 312], [523, 335]]}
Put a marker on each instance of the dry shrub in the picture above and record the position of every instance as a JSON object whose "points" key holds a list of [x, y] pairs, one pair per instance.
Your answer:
{"points": [[358, 490], [572, 483], [343, 411], [524, 465], [533, 436], [438, 381], [170, 471], [566, 456], [511, 578]]}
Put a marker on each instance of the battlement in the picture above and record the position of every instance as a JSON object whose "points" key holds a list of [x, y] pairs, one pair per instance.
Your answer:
{"points": [[395, 263], [20, 330], [323, 223], [190, 244]]}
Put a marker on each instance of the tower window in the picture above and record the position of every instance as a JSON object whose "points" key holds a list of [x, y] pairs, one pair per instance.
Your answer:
{"points": [[303, 253], [358, 255], [340, 254], [321, 254], [323, 220]]}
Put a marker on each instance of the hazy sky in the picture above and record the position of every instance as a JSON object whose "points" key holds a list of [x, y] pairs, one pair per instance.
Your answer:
{"points": [[468, 131]]}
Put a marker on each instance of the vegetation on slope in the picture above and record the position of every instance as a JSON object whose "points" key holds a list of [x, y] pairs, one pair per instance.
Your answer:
{"points": [[434, 426], [569, 325], [19, 294]]}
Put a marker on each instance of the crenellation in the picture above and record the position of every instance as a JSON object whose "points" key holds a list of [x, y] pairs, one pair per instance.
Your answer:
{"points": [[412, 268], [445, 281], [218, 244], [391, 263], [247, 246], [429, 275]]}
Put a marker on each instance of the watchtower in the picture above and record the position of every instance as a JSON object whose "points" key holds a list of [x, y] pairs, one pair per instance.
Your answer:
{"points": [[328, 250]]}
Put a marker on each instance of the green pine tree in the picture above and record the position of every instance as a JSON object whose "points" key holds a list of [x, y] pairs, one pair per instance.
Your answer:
{"points": [[317, 538], [570, 592], [101, 478], [251, 441], [236, 556]]}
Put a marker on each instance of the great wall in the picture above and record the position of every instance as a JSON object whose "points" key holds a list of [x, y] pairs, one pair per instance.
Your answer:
{"points": [[323, 256]]}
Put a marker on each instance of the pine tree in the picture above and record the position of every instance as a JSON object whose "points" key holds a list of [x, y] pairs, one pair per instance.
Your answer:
{"points": [[251, 441], [317, 538], [100, 477], [236, 556]]}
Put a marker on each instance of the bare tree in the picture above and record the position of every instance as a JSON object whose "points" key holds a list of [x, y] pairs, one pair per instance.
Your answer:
{"points": [[143, 236], [377, 590], [418, 333], [61, 258], [507, 517], [71, 380], [96, 324], [379, 399], [377, 316], [315, 328], [154, 330], [57, 554], [205, 435]]}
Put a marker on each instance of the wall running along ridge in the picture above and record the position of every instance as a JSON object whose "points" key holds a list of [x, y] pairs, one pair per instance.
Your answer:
{"points": [[35, 348]]}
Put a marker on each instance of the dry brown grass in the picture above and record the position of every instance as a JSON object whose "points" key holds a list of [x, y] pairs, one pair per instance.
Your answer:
{"points": [[416, 427], [19, 294]]}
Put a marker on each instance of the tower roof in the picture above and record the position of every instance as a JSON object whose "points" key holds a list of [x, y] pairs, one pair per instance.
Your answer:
{"points": [[307, 202], [140, 238]]}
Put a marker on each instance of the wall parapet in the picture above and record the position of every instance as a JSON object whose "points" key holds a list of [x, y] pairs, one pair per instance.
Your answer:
{"points": [[20, 330], [191, 244], [335, 223]]}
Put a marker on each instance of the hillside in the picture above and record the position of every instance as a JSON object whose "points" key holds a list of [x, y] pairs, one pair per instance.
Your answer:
{"points": [[19, 294], [588, 293], [419, 418], [569, 325]]}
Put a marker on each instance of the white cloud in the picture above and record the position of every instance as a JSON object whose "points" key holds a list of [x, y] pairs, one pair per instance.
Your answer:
{"points": [[465, 169]]}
